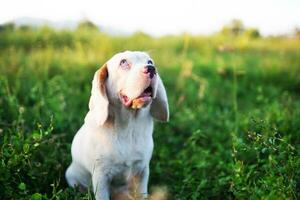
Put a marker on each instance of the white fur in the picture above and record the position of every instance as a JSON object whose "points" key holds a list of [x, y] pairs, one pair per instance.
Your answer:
{"points": [[115, 143]]}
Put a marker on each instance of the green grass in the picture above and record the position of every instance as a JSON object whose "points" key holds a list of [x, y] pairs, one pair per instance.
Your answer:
{"points": [[235, 114]]}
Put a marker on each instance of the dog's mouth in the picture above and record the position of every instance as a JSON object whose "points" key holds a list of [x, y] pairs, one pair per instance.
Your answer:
{"points": [[138, 102]]}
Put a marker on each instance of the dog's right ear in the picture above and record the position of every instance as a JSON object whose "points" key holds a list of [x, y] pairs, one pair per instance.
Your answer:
{"points": [[98, 104]]}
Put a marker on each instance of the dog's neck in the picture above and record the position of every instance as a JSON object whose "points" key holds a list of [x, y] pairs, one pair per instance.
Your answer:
{"points": [[119, 116], [124, 116]]}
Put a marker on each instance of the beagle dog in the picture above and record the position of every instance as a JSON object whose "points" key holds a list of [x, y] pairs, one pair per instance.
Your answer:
{"points": [[113, 148]]}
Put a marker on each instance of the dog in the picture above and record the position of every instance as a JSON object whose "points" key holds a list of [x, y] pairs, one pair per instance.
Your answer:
{"points": [[113, 148]]}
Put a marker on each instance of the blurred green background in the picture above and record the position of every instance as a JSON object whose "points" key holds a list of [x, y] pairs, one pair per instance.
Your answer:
{"points": [[234, 102]]}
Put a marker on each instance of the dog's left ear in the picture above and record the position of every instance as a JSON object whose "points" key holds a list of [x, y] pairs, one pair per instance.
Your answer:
{"points": [[98, 103], [160, 107]]}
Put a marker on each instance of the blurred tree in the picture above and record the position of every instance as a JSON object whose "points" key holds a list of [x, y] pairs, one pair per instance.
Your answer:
{"points": [[235, 28], [7, 26], [86, 24], [297, 32], [25, 27], [141, 34], [252, 33]]}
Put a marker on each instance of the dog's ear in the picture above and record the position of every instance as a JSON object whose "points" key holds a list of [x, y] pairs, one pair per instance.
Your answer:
{"points": [[98, 104], [160, 107]]}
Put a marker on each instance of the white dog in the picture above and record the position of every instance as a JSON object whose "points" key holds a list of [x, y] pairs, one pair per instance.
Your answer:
{"points": [[114, 146]]}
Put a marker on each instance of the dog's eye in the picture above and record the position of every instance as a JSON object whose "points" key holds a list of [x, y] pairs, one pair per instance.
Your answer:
{"points": [[150, 62], [124, 64]]}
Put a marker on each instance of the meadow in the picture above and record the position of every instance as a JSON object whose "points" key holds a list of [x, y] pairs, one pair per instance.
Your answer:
{"points": [[234, 103]]}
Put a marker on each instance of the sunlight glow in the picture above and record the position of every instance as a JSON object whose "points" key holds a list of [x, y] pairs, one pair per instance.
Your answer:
{"points": [[159, 17]]}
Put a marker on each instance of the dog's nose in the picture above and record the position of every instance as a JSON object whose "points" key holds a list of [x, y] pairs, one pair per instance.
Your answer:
{"points": [[151, 70]]}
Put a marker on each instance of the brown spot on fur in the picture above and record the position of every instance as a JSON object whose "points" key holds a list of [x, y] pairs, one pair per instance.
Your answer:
{"points": [[103, 74], [109, 123], [131, 191], [121, 195]]}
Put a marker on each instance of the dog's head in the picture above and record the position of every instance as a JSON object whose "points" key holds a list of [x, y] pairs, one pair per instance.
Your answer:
{"points": [[129, 79]]}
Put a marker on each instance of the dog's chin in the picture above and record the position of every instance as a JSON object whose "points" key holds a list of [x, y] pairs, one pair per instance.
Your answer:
{"points": [[139, 102]]}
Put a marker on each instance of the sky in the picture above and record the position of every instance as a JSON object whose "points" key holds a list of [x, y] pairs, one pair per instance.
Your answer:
{"points": [[159, 17]]}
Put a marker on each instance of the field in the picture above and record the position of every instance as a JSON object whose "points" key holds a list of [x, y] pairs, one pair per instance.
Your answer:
{"points": [[234, 130]]}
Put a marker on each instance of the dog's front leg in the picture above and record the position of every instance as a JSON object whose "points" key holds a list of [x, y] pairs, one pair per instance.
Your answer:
{"points": [[143, 184], [100, 184]]}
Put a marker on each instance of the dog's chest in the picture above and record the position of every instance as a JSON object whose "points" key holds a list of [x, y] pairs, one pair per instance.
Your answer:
{"points": [[132, 148], [131, 151]]}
